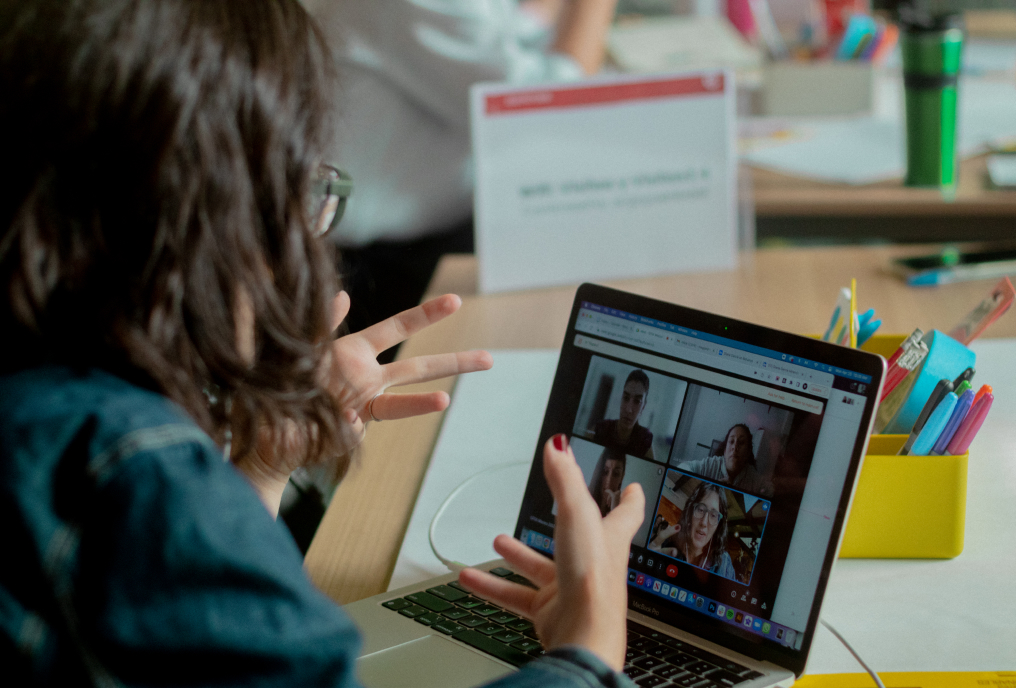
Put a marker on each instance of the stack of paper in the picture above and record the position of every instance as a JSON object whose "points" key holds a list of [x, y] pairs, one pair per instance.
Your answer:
{"points": [[667, 44]]}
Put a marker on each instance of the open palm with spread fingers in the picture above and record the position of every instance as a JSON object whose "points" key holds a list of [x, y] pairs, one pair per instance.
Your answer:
{"points": [[355, 378], [582, 595]]}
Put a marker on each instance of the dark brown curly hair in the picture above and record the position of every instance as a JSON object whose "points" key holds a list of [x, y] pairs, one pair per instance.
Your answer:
{"points": [[156, 170]]}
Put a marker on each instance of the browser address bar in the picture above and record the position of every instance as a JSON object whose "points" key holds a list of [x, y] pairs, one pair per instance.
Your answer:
{"points": [[697, 350], [767, 394]]}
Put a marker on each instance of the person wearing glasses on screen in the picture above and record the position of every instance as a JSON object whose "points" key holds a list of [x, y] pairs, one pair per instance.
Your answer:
{"points": [[168, 307], [701, 535]]}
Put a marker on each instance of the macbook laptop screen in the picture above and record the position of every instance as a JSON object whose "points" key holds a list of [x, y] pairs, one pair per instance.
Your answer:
{"points": [[745, 442]]}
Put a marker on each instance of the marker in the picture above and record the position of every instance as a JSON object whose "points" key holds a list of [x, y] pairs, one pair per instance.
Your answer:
{"points": [[970, 425], [890, 35], [985, 389], [943, 387], [962, 408], [967, 375], [935, 425]]}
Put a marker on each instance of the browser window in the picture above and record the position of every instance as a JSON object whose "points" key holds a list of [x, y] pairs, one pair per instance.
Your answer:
{"points": [[741, 452]]}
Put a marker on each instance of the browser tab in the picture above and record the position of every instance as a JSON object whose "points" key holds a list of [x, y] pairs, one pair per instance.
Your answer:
{"points": [[718, 352]]}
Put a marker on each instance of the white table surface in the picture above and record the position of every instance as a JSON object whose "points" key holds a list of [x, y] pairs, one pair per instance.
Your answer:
{"points": [[900, 615]]}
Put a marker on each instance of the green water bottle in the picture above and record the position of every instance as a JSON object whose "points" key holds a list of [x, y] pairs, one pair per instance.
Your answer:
{"points": [[931, 47]]}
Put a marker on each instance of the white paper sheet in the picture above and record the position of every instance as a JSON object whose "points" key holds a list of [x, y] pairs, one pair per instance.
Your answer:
{"points": [[607, 179], [864, 150]]}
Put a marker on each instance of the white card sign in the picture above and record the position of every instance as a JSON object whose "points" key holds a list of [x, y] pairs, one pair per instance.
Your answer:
{"points": [[608, 179]]}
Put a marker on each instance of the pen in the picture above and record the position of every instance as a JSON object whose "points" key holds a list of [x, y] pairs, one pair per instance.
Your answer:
{"points": [[838, 325], [914, 337], [853, 313], [907, 362], [962, 408], [943, 387], [935, 425], [832, 324], [985, 389], [970, 425]]}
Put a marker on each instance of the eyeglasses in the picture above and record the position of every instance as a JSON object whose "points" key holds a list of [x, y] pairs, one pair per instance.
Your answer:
{"points": [[329, 191], [702, 511]]}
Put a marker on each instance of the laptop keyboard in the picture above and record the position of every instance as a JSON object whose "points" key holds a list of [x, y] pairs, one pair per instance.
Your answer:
{"points": [[656, 659], [653, 660], [451, 610]]}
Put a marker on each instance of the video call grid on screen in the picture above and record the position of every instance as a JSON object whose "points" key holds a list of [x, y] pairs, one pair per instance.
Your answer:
{"points": [[691, 418], [667, 415]]}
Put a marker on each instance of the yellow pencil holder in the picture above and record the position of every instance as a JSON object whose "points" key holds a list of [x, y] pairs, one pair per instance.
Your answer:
{"points": [[906, 507]]}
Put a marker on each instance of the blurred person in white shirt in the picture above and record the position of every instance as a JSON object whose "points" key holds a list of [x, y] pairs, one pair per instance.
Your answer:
{"points": [[403, 121]]}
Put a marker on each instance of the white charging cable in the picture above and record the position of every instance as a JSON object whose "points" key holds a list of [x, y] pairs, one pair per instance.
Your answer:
{"points": [[871, 672], [456, 566]]}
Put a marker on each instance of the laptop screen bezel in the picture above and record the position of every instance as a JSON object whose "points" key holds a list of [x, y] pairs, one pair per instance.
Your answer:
{"points": [[812, 349]]}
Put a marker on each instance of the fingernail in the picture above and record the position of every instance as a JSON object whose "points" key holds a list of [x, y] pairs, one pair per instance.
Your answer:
{"points": [[560, 442]]}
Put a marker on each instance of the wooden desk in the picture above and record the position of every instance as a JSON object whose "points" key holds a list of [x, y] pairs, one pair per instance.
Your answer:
{"points": [[354, 552], [799, 208]]}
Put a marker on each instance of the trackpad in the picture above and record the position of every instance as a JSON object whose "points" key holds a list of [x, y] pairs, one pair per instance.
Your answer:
{"points": [[429, 662]]}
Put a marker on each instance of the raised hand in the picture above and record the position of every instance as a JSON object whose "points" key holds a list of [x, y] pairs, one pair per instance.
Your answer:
{"points": [[582, 595], [354, 377]]}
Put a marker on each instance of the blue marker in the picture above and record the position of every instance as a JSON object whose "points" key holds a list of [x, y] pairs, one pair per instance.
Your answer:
{"points": [[962, 408], [936, 423]]}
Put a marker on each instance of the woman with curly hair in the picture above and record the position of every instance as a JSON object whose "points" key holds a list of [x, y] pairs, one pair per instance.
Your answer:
{"points": [[700, 537], [168, 309]]}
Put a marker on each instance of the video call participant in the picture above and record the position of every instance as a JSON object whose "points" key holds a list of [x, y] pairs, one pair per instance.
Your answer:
{"points": [[625, 434], [156, 242], [607, 479], [700, 537], [736, 467]]}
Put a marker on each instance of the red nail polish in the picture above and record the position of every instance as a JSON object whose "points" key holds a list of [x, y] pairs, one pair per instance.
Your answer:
{"points": [[560, 442]]}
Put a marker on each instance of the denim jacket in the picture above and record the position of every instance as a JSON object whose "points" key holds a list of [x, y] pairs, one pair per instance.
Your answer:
{"points": [[135, 555]]}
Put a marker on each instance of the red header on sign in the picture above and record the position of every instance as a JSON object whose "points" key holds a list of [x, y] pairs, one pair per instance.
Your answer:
{"points": [[548, 99]]}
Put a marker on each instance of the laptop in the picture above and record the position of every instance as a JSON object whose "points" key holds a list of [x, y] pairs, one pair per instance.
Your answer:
{"points": [[747, 443]]}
